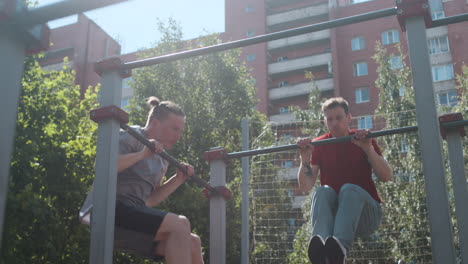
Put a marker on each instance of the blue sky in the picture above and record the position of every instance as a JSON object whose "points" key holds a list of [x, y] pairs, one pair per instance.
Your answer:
{"points": [[133, 23]]}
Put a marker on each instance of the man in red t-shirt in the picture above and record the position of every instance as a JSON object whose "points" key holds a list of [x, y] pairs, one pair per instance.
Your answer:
{"points": [[346, 204]]}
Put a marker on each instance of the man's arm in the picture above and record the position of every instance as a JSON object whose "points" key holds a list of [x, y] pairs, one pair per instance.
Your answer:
{"points": [[160, 193], [128, 160], [380, 166], [307, 175]]}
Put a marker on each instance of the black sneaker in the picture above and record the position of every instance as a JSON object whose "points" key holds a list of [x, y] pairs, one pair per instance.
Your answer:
{"points": [[334, 250], [316, 250]]}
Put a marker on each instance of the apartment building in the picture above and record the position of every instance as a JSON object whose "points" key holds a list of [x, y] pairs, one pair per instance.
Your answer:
{"points": [[340, 58], [83, 42]]}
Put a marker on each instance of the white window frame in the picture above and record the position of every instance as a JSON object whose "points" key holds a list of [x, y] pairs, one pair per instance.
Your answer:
{"points": [[435, 45], [442, 73], [438, 14], [404, 146], [359, 95], [449, 97], [357, 69], [364, 122], [391, 36], [358, 43]]}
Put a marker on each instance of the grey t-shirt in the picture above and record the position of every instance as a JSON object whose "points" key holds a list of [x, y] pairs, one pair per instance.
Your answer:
{"points": [[137, 182]]}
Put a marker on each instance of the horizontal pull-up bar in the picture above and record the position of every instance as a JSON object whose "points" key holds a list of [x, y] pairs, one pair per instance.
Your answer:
{"points": [[260, 39], [42, 15], [373, 134], [450, 20]]}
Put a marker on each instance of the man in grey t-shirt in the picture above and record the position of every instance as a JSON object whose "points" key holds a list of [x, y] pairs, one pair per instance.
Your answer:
{"points": [[139, 227]]}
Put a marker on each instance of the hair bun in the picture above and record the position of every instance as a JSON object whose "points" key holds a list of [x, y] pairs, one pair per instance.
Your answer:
{"points": [[152, 101]]}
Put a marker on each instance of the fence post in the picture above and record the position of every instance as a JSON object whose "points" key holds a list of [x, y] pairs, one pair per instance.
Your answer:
{"points": [[245, 234], [12, 54], [412, 15], [217, 206], [457, 169], [103, 216]]}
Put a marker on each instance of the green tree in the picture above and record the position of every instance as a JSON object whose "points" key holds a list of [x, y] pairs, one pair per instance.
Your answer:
{"points": [[215, 91], [51, 170]]}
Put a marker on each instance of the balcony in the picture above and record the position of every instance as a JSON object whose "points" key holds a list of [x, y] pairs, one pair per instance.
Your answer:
{"points": [[305, 63], [300, 89], [297, 17], [298, 41]]}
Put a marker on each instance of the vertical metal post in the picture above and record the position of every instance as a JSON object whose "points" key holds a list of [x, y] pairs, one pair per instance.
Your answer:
{"points": [[245, 194], [11, 65], [460, 189], [217, 212], [102, 221], [437, 201]]}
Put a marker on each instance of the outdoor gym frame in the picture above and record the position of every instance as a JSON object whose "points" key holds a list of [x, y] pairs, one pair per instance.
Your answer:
{"points": [[21, 32]]}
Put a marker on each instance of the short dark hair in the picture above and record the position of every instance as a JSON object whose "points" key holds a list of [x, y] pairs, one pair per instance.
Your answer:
{"points": [[161, 110], [334, 102]]}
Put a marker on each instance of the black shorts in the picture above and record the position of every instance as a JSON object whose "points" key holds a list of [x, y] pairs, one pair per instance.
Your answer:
{"points": [[135, 229]]}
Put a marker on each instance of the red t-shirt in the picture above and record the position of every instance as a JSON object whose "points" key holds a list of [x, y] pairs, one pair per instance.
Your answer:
{"points": [[343, 163]]}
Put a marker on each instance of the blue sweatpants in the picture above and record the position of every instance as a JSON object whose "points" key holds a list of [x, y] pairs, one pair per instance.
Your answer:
{"points": [[352, 212]]}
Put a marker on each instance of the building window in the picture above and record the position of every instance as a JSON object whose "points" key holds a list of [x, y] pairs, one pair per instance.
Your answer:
{"points": [[249, 9], [360, 68], [390, 37], [438, 45], [448, 98], [286, 164], [442, 72], [283, 83], [362, 95], [283, 58], [401, 91], [251, 57], [438, 15], [395, 62], [358, 1], [250, 33], [358, 43], [404, 146], [365, 122], [284, 110]]}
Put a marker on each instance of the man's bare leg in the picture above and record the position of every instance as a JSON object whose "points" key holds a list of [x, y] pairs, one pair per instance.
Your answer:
{"points": [[175, 236]]}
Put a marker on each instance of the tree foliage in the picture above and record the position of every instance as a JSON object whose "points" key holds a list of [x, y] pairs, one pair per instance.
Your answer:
{"points": [[50, 171]]}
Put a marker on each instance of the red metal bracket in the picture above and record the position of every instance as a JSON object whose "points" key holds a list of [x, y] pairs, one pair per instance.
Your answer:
{"points": [[111, 64], [449, 118], [108, 112], [216, 154], [413, 8]]}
